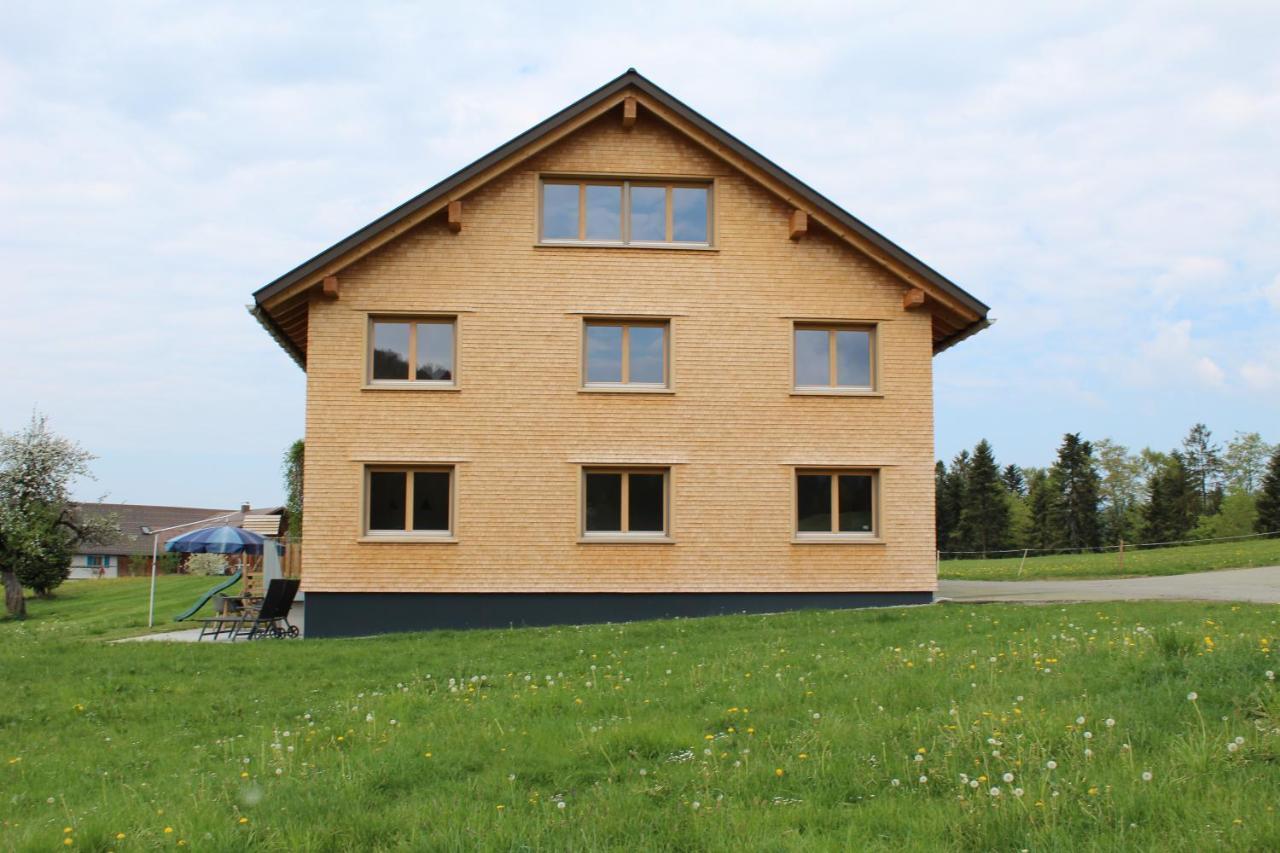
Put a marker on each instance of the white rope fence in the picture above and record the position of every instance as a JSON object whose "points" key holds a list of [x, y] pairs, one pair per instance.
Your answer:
{"points": [[1119, 548], [1122, 546]]}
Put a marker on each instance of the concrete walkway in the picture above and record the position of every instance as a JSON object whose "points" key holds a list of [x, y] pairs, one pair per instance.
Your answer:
{"points": [[1261, 585]]}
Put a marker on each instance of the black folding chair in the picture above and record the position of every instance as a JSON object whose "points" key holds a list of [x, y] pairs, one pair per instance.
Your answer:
{"points": [[270, 618]]}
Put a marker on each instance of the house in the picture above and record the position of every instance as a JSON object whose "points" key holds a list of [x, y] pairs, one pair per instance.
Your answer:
{"points": [[130, 554], [621, 367]]}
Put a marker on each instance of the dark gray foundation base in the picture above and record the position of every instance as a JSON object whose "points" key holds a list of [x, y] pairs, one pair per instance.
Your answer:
{"points": [[356, 614]]}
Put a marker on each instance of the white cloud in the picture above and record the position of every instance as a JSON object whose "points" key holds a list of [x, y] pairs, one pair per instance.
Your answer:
{"points": [[1102, 176], [1173, 357]]}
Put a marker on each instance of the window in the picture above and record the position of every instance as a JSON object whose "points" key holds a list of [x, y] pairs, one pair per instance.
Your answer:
{"points": [[835, 357], [419, 351], [95, 561], [629, 503], [622, 212], [836, 503], [625, 354], [415, 501]]}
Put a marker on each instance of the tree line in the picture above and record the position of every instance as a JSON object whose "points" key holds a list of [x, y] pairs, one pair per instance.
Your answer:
{"points": [[1101, 493]]}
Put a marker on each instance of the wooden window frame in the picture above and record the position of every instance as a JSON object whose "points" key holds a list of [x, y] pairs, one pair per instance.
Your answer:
{"points": [[409, 383], [626, 324], [408, 534], [833, 329], [624, 535], [835, 535], [670, 184]]}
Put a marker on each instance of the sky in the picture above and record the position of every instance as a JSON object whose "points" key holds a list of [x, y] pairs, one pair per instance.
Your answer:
{"points": [[1105, 176]]}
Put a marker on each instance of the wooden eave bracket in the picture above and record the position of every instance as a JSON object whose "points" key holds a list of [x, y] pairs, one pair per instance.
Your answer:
{"points": [[329, 287], [455, 216], [629, 111], [799, 224], [913, 298]]}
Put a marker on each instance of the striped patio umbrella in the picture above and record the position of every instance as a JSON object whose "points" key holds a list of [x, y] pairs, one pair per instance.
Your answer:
{"points": [[217, 540]]}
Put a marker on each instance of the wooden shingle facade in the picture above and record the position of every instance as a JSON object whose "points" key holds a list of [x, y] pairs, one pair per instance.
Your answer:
{"points": [[623, 366]]}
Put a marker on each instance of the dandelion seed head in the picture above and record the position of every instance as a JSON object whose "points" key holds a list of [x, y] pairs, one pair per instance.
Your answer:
{"points": [[1192, 696], [1146, 776], [1052, 765]]}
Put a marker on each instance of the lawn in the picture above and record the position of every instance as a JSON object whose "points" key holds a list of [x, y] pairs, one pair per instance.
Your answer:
{"points": [[1149, 561], [997, 727]]}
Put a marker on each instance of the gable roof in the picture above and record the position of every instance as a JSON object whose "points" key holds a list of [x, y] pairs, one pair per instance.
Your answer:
{"points": [[957, 313]]}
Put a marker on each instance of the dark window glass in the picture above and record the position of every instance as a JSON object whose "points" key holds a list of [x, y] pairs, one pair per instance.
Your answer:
{"points": [[604, 353], [645, 494], [689, 215], [390, 350], [560, 211], [435, 351], [855, 503], [386, 500], [853, 359], [646, 354], [604, 502], [649, 213], [812, 358], [604, 212], [813, 503], [431, 500]]}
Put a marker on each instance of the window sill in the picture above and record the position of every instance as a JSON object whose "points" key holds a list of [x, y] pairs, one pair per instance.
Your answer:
{"points": [[625, 389], [588, 244], [836, 539], [442, 539], [835, 392], [409, 385], [625, 539]]}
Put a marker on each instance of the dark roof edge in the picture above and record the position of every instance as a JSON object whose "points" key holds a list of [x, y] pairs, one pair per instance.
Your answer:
{"points": [[820, 201], [630, 77], [273, 329], [429, 195], [964, 334]]}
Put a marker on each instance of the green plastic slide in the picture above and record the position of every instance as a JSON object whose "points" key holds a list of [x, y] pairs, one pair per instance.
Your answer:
{"points": [[204, 599]]}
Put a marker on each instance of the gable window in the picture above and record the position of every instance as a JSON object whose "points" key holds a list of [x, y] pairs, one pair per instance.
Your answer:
{"points": [[626, 212], [836, 502], [421, 351], [409, 500], [835, 357], [620, 502], [625, 354]]}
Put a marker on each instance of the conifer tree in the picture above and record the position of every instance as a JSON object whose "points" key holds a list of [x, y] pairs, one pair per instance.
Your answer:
{"points": [[951, 500], [1170, 512], [1014, 480], [1269, 497], [984, 517], [1074, 481], [1039, 505], [1203, 461]]}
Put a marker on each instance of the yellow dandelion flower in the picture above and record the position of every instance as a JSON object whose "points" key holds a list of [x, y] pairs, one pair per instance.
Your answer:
{"points": [[778, 772], [168, 830], [244, 820]]}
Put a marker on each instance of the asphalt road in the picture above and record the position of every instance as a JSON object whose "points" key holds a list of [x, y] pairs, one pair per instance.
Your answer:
{"points": [[1260, 585]]}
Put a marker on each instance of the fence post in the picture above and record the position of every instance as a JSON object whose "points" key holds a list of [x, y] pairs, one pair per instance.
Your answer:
{"points": [[1122, 554], [1023, 561]]}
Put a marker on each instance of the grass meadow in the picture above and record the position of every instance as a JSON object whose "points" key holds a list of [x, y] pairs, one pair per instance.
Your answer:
{"points": [[1001, 727], [1142, 562]]}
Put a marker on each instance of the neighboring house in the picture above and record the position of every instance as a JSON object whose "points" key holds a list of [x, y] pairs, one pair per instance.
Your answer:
{"points": [[131, 553], [623, 366]]}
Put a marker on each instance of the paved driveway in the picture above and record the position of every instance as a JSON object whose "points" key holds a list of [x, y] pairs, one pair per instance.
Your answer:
{"points": [[1258, 585]]}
